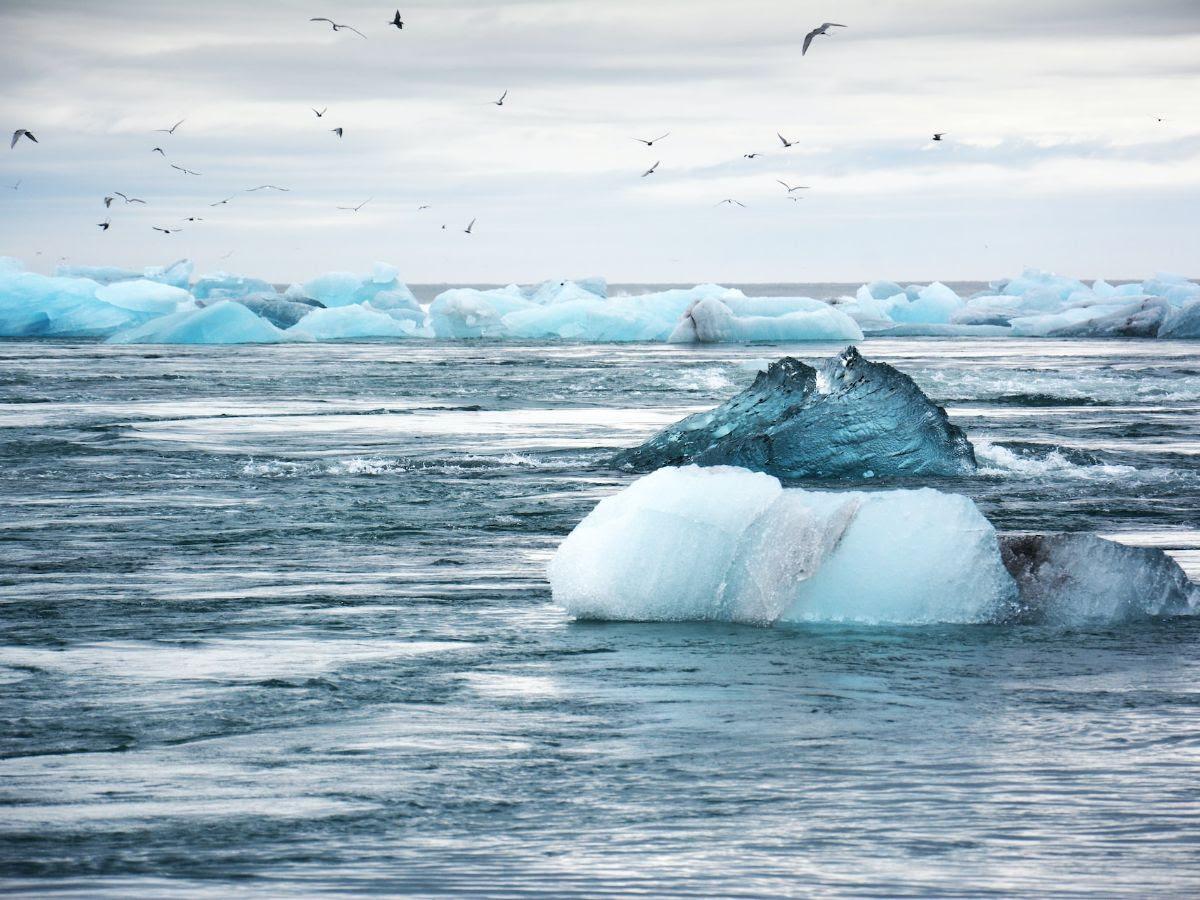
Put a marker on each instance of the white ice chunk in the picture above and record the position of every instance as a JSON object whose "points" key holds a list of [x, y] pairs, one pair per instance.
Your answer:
{"points": [[349, 323], [744, 320], [225, 322]]}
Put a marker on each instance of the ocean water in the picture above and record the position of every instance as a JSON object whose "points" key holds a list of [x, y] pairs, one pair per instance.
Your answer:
{"points": [[275, 623]]}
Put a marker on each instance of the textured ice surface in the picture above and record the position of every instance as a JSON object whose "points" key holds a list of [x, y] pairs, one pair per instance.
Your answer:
{"points": [[845, 418], [1078, 578], [277, 309], [222, 285], [727, 544], [177, 274], [713, 320], [349, 322], [345, 288], [225, 322], [32, 304]]}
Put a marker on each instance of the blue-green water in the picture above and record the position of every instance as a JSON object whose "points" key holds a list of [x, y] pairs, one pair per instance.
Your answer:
{"points": [[275, 621]]}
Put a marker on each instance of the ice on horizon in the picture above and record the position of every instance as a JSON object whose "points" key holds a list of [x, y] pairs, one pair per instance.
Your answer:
{"points": [[119, 304]]}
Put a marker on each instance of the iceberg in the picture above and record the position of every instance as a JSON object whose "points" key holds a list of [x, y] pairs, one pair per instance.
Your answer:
{"points": [[470, 313], [726, 544], [223, 286], [346, 288], [1183, 322], [41, 305], [177, 274], [847, 418], [742, 320], [350, 322], [278, 309], [225, 322], [1072, 579]]}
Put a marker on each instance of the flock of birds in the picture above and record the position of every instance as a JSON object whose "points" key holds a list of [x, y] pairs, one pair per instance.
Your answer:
{"points": [[398, 23]]}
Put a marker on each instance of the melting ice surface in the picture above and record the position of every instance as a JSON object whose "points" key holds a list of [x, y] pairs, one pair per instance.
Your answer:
{"points": [[730, 545], [850, 417], [79, 301]]}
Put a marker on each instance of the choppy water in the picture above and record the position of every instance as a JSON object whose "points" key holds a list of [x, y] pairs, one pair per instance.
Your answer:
{"points": [[275, 621]]}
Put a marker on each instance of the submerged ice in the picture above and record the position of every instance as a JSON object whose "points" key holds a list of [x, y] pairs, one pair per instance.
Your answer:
{"points": [[848, 417], [726, 544]]}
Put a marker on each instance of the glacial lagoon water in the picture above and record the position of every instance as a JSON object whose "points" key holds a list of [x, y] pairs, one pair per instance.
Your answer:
{"points": [[276, 622]]}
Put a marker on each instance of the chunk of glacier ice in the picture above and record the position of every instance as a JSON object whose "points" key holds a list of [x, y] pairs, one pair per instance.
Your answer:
{"points": [[33, 304], [1183, 322], [1073, 579], [177, 274], [346, 288], [278, 309], [224, 286], [727, 544], [470, 313], [350, 322], [743, 320], [849, 416], [224, 322], [143, 296]]}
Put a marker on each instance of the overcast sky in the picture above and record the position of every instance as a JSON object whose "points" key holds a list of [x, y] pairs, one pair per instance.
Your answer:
{"points": [[1054, 156]]}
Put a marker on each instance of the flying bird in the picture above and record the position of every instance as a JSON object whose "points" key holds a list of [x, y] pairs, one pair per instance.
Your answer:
{"points": [[650, 171], [171, 130], [166, 230], [105, 225], [222, 202], [192, 219], [128, 199], [321, 113], [786, 142], [337, 131], [158, 150], [17, 136], [108, 202], [651, 143], [731, 200], [185, 171], [266, 187], [799, 187], [337, 27], [500, 102], [227, 255], [397, 21], [797, 199], [824, 28], [16, 186], [938, 136], [360, 206], [467, 230], [751, 155]]}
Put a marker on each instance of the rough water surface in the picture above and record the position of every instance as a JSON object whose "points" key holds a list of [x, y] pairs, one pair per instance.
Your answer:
{"points": [[274, 622]]}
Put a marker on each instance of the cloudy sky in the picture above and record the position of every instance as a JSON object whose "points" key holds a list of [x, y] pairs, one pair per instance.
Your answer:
{"points": [[1054, 156]]}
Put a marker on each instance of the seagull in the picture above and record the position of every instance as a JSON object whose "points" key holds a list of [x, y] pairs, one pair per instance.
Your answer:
{"points": [[266, 187], [797, 199], [128, 199], [731, 200], [222, 202], [419, 208], [821, 30], [108, 202], [158, 150], [938, 136], [467, 230], [650, 171], [16, 186], [337, 131], [321, 113], [786, 142], [185, 171], [397, 21], [171, 130], [799, 187], [651, 143], [192, 219], [105, 225], [227, 255], [360, 206], [337, 27], [17, 136], [166, 230], [500, 102], [751, 155]]}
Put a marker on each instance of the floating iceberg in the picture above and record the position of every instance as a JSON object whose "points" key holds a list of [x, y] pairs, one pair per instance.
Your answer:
{"points": [[346, 288], [178, 274], [1070, 579], [770, 319], [349, 322], [277, 309], [725, 544], [40, 305], [731, 545], [223, 286], [846, 418], [225, 322]]}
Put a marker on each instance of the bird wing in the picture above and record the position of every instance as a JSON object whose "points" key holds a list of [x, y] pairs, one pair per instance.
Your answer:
{"points": [[784, 183], [122, 196], [505, 94], [808, 40], [782, 139], [16, 137], [833, 25], [660, 137], [177, 124], [469, 227], [322, 19], [356, 31]]}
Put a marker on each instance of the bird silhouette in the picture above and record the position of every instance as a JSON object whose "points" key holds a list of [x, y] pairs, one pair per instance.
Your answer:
{"points": [[397, 21], [17, 136], [731, 200], [321, 113], [360, 206], [105, 225], [653, 142], [467, 230], [185, 171], [500, 102], [266, 187], [222, 202], [129, 199], [337, 27], [799, 187], [171, 130], [938, 136], [751, 155], [820, 29], [785, 141], [337, 131], [166, 230], [108, 202], [650, 171]]}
